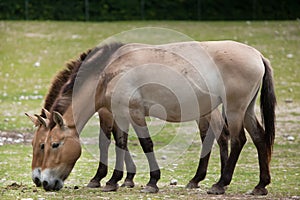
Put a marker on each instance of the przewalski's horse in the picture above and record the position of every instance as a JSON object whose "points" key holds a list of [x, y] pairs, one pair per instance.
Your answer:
{"points": [[188, 80], [42, 122]]}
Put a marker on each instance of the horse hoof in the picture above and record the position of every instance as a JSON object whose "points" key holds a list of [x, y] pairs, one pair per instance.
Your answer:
{"points": [[150, 189], [128, 184], [94, 184], [259, 191], [110, 187], [191, 185], [215, 189]]}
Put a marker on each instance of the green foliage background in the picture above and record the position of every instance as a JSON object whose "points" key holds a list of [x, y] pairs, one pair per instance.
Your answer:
{"points": [[103, 10]]}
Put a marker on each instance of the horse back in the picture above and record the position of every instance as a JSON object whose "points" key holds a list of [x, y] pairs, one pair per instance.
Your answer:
{"points": [[201, 74]]}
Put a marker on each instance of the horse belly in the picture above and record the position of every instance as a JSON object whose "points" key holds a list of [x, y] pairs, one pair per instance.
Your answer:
{"points": [[176, 106]]}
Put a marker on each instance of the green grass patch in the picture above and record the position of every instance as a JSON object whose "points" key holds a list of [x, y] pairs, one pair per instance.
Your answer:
{"points": [[15, 168]]}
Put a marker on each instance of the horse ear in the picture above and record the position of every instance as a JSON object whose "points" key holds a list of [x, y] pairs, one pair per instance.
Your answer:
{"points": [[58, 119], [47, 113], [34, 119], [41, 120]]}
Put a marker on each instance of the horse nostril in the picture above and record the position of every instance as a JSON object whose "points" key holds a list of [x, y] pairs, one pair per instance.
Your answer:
{"points": [[56, 185], [37, 182], [45, 183]]}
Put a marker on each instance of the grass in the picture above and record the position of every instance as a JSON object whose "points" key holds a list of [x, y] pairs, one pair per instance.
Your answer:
{"points": [[23, 85], [285, 173]]}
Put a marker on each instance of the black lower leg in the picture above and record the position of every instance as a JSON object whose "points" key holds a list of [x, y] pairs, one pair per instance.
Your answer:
{"points": [[223, 144], [154, 177], [201, 170], [131, 170], [104, 142], [129, 176], [130, 166], [236, 147], [101, 172], [207, 138], [147, 146], [121, 146], [264, 178], [116, 177], [257, 134]]}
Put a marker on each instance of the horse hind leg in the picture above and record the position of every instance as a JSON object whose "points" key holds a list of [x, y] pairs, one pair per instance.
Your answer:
{"points": [[222, 136], [147, 146], [223, 140], [257, 134], [207, 136], [207, 139], [238, 140], [223, 144], [139, 125]]}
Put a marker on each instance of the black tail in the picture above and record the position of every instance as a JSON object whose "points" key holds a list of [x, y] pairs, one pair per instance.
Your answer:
{"points": [[267, 105]]}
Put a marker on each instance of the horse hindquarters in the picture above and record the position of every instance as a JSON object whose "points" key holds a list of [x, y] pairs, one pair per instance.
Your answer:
{"points": [[263, 139]]}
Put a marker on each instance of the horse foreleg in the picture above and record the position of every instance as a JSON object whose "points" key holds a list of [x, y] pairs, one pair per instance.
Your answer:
{"points": [[120, 135], [104, 142], [131, 170]]}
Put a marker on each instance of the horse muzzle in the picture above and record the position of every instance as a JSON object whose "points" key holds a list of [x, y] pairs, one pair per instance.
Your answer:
{"points": [[54, 185], [50, 182], [36, 177]]}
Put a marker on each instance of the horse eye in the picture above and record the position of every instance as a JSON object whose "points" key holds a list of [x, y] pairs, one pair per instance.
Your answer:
{"points": [[55, 145], [42, 146]]}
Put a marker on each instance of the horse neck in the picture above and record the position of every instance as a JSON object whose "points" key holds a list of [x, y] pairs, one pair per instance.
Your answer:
{"points": [[83, 105], [72, 118], [85, 97]]}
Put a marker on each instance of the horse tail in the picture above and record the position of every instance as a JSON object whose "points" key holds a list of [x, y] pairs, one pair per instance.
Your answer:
{"points": [[267, 105]]}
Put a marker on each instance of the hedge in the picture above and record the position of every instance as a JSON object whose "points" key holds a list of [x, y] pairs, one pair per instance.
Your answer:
{"points": [[107, 10]]}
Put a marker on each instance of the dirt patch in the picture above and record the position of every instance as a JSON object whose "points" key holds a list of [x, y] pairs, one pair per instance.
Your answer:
{"points": [[13, 186], [18, 188]]}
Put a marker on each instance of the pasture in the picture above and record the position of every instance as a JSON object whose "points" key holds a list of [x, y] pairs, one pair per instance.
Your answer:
{"points": [[32, 52]]}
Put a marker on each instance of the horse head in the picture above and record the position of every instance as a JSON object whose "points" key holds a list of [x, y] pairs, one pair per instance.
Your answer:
{"points": [[62, 150], [38, 144]]}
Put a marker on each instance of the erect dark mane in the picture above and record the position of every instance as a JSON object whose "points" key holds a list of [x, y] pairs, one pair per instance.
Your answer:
{"points": [[60, 79], [102, 55]]}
